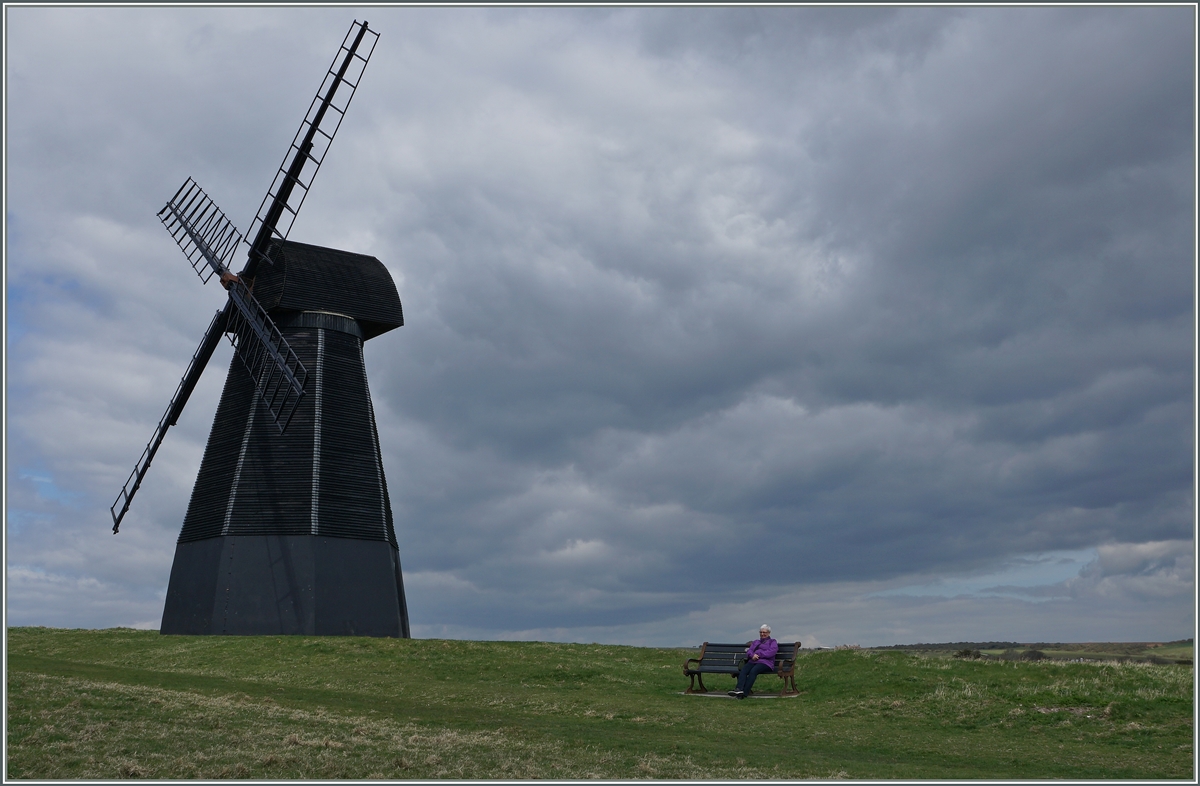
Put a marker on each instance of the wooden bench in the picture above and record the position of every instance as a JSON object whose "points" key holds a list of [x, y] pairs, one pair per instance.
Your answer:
{"points": [[728, 659]]}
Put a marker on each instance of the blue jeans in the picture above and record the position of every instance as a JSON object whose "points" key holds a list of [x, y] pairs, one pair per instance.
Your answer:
{"points": [[750, 670]]}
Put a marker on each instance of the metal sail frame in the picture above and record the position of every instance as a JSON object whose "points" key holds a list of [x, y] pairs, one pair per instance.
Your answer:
{"points": [[200, 359], [209, 240], [310, 144], [277, 372]]}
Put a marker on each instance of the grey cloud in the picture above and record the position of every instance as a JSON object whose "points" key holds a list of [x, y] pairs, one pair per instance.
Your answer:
{"points": [[816, 295], [1155, 569]]}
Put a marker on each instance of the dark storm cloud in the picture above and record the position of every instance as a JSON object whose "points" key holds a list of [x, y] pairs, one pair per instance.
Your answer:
{"points": [[704, 307]]}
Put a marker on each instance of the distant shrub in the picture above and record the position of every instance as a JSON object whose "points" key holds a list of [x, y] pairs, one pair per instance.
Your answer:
{"points": [[969, 654], [1032, 655]]}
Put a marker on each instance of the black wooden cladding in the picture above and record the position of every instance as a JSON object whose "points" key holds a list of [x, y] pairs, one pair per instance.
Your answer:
{"points": [[292, 532], [317, 319], [255, 481], [313, 278], [268, 585]]}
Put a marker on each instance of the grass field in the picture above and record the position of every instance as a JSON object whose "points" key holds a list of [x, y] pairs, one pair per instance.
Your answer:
{"points": [[124, 704], [1159, 653]]}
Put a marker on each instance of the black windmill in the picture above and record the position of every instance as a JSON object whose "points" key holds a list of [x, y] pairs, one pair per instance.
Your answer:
{"points": [[289, 528]]}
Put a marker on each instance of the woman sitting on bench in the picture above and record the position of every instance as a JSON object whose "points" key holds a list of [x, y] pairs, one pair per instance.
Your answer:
{"points": [[760, 658]]}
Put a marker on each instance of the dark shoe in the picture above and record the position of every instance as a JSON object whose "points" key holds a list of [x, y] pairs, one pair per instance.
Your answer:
{"points": [[732, 693], [741, 695]]}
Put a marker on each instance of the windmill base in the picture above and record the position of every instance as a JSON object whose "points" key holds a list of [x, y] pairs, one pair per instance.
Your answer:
{"points": [[269, 585]]}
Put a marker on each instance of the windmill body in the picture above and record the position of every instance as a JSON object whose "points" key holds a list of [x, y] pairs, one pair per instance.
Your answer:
{"points": [[292, 533], [289, 529]]}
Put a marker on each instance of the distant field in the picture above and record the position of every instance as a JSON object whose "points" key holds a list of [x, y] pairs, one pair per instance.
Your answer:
{"points": [[1174, 652], [123, 703]]}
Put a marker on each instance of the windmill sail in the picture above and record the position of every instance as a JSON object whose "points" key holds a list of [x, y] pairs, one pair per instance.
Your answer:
{"points": [[207, 237], [277, 373], [186, 385], [300, 164]]}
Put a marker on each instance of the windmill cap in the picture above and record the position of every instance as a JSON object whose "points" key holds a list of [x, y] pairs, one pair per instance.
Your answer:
{"points": [[315, 278]]}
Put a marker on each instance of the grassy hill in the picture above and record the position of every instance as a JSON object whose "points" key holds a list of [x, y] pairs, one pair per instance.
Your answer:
{"points": [[1172, 652], [123, 703]]}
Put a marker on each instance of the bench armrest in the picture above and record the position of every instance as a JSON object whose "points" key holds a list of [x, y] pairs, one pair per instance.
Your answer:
{"points": [[787, 665]]}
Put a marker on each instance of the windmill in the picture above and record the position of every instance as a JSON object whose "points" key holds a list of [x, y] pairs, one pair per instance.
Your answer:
{"points": [[289, 528]]}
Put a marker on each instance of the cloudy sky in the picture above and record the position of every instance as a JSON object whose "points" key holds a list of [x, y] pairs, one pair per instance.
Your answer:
{"points": [[875, 324]]}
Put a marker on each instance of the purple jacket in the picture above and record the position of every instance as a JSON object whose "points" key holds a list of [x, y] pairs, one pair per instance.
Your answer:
{"points": [[765, 649]]}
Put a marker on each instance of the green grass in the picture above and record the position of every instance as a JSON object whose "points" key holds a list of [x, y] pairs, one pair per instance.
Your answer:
{"points": [[1148, 652], [1170, 652], [124, 703]]}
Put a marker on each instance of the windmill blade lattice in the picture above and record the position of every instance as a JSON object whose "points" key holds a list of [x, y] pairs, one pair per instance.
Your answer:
{"points": [[208, 239], [277, 373], [187, 384], [300, 164]]}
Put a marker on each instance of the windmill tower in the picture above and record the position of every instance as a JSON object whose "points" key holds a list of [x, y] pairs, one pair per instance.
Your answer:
{"points": [[289, 528]]}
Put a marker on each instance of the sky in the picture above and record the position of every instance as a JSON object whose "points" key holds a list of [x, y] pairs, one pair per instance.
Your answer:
{"points": [[873, 324]]}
